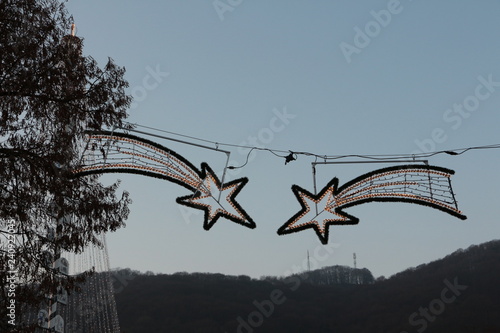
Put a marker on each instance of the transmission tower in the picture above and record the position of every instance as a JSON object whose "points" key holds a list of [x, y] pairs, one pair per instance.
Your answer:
{"points": [[308, 262]]}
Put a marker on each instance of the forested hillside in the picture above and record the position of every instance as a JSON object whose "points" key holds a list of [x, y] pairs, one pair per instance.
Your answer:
{"points": [[459, 293]]}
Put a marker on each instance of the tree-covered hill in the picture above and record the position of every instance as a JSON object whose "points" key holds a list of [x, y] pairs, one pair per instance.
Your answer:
{"points": [[459, 293]]}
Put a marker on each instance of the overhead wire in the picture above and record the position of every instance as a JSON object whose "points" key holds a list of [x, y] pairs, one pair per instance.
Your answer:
{"points": [[286, 154]]}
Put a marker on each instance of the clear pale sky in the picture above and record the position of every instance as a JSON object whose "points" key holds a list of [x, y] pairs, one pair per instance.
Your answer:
{"points": [[402, 85]]}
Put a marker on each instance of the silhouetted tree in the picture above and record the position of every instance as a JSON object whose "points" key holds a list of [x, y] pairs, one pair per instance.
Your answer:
{"points": [[49, 95]]}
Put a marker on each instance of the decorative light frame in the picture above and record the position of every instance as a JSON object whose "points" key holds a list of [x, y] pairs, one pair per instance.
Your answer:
{"points": [[418, 184], [111, 152]]}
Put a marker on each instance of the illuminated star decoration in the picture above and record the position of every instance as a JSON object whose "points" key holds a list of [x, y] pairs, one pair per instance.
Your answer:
{"points": [[417, 184], [317, 212], [109, 152], [213, 197]]}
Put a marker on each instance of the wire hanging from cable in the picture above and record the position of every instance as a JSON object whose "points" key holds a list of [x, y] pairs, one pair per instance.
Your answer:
{"points": [[291, 155]]}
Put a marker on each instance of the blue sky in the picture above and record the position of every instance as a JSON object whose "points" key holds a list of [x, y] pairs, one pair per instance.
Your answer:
{"points": [[224, 75]]}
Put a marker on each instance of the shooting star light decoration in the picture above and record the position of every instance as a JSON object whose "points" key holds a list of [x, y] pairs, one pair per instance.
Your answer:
{"points": [[109, 152], [418, 184]]}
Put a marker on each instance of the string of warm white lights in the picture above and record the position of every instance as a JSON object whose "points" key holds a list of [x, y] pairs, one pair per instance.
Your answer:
{"points": [[113, 152], [93, 307], [417, 184], [110, 151], [134, 154], [290, 155]]}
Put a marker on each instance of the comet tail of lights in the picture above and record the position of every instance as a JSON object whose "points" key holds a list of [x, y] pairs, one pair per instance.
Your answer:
{"points": [[109, 152], [418, 184]]}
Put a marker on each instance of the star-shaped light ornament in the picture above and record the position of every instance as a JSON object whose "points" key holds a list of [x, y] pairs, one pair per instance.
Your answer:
{"points": [[417, 184], [218, 200], [318, 212]]}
